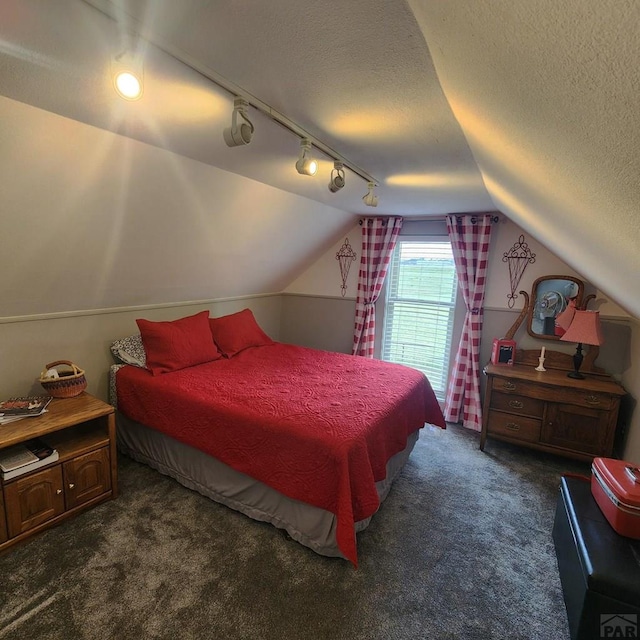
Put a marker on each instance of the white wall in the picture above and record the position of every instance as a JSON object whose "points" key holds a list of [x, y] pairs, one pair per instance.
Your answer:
{"points": [[324, 278], [91, 220]]}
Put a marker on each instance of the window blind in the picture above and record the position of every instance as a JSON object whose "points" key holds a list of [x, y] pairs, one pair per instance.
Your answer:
{"points": [[419, 312]]}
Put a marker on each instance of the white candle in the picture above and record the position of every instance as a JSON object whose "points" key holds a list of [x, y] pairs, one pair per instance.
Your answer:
{"points": [[542, 352]]}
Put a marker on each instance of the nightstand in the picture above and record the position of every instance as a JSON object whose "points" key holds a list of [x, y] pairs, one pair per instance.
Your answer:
{"points": [[83, 431]]}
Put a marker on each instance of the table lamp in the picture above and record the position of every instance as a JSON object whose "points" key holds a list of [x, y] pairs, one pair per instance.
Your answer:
{"points": [[584, 328]]}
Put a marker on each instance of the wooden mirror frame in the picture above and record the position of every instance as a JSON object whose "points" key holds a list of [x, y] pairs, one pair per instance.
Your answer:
{"points": [[543, 327]]}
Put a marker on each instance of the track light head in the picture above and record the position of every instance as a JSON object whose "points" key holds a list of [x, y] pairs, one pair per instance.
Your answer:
{"points": [[305, 164], [370, 198], [337, 180], [127, 73], [238, 135]]}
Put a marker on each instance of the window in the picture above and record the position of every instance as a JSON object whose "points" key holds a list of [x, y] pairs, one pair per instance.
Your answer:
{"points": [[420, 306]]}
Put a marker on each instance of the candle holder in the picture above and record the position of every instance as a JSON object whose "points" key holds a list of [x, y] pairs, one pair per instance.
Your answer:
{"points": [[540, 366]]}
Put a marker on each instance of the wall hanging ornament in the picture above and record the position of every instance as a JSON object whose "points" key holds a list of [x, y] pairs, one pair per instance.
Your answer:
{"points": [[518, 257], [345, 257]]}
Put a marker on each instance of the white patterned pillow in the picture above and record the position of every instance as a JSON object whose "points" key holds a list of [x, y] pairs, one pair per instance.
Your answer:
{"points": [[130, 350]]}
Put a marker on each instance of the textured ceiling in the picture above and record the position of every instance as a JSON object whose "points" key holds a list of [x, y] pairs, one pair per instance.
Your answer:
{"points": [[529, 108]]}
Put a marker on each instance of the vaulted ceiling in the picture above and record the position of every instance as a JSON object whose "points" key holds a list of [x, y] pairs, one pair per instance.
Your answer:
{"points": [[530, 108]]}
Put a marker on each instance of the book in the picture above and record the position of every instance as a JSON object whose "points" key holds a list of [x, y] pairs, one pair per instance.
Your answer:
{"points": [[32, 466], [24, 406], [15, 457], [21, 455]]}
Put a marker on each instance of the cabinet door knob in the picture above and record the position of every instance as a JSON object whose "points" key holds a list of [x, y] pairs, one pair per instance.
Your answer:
{"points": [[71, 485], [58, 491]]}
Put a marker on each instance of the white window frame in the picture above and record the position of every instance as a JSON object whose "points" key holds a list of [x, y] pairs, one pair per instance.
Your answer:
{"points": [[458, 312]]}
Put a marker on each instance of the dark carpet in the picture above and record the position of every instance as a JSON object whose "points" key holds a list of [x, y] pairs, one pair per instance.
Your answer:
{"points": [[461, 548]]}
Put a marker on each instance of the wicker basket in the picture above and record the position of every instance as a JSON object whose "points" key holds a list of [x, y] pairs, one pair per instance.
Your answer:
{"points": [[68, 384]]}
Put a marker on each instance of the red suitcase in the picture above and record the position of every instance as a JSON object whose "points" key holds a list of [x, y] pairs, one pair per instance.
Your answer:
{"points": [[615, 485]]}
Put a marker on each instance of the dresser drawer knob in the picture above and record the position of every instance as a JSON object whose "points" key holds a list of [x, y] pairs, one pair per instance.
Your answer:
{"points": [[592, 400], [509, 386], [512, 426], [516, 404], [58, 491]]}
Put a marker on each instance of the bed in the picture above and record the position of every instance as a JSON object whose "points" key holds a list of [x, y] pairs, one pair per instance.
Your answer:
{"points": [[307, 440]]}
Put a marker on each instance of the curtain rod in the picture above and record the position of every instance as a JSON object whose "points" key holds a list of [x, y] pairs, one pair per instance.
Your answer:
{"points": [[474, 218]]}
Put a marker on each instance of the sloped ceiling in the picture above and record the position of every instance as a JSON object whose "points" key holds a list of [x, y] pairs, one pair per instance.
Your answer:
{"points": [[452, 106]]}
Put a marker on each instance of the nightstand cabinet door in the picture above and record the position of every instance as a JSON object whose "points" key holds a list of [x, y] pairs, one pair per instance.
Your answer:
{"points": [[87, 477], [33, 500], [3, 519]]}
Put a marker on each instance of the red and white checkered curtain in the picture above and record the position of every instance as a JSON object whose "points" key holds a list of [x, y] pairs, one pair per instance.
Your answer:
{"points": [[379, 236], [469, 237]]}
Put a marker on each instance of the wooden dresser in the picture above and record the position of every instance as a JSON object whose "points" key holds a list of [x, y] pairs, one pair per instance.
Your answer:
{"points": [[549, 411]]}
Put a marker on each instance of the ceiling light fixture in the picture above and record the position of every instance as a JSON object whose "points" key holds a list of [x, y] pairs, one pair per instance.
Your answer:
{"points": [[305, 164], [127, 73], [337, 180], [139, 31], [370, 198], [235, 135], [128, 85]]}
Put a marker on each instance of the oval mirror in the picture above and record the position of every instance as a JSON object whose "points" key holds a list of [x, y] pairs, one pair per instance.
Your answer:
{"points": [[550, 296]]}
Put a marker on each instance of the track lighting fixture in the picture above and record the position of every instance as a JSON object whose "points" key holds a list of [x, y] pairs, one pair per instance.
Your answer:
{"points": [[337, 180], [127, 75], [237, 135], [306, 165], [370, 198]]}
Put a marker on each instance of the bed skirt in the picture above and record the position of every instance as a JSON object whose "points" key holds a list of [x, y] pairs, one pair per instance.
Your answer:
{"points": [[311, 526]]}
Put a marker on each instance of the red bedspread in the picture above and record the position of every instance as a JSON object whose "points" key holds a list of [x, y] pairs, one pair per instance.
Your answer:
{"points": [[317, 426]]}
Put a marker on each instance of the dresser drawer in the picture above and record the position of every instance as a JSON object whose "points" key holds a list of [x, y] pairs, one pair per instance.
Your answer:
{"points": [[519, 387], [512, 426], [589, 399], [554, 393], [520, 405]]}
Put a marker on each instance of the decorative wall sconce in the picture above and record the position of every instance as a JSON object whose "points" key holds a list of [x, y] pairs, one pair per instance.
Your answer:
{"points": [[345, 256], [518, 257]]}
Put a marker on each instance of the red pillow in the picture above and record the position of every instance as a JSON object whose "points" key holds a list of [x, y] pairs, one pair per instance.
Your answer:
{"points": [[177, 344], [238, 331]]}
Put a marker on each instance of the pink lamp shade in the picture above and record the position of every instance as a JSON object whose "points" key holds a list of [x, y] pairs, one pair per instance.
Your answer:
{"points": [[584, 328], [564, 319]]}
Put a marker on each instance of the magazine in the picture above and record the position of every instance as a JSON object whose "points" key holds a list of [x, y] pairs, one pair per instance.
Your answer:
{"points": [[24, 406]]}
